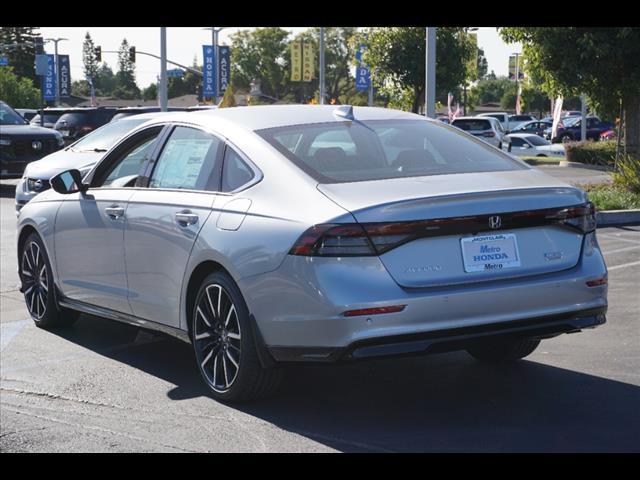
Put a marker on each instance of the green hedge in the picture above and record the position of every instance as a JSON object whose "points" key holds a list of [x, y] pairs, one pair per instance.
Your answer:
{"points": [[592, 153]]}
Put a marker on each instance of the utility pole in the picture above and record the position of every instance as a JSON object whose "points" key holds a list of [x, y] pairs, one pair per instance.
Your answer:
{"points": [[430, 73], [163, 69], [583, 120], [55, 66], [322, 88]]}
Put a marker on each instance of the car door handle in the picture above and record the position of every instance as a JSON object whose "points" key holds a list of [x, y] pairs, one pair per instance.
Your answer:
{"points": [[186, 218], [114, 212]]}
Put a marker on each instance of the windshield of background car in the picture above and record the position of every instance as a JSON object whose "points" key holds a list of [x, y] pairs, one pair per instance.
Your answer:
{"points": [[9, 117], [338, 152], [472, 124], [569, 121], [74, 119], [105, 137], [48, 118], [537, 141]]}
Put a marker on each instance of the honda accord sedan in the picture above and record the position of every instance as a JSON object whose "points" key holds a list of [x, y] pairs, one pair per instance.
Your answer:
{"points": [[269, 235]]}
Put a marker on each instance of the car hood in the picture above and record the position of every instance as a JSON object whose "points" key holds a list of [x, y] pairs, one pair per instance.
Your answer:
{"points": [[60, 161], [26, 131]]}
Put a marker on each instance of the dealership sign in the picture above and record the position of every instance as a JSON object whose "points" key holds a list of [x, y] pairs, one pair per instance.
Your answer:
{"points": [[64, 75], [209, 89]]}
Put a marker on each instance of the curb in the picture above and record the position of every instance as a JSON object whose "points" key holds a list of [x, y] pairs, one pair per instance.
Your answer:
{"points": [[567, 164], [610, 218]]}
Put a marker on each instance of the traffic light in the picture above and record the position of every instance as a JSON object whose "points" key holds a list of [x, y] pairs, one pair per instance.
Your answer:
{"points": [[39, 45], [98, 53], [132, 54]]}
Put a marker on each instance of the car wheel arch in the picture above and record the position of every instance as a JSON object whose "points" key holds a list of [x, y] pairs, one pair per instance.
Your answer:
{"points": [[197, 276]]}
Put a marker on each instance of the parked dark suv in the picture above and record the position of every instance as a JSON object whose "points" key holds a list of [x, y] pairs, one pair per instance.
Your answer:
{"points": [[569, 129], [21, 143], [77, 122]]}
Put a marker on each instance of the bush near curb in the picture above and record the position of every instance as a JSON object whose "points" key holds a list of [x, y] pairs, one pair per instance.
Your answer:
{"points": [[606, 196], [591, 153]]}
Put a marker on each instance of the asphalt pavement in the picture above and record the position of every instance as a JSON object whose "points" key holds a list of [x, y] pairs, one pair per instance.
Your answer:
{"points": [[103, 386]]}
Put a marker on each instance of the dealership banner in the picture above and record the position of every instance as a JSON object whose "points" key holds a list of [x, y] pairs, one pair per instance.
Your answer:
{"points": [[513, 67], [224, 66], [363, 75], [49, 80], [64, 75], [208, 72], [308, 62], [296, 61]]}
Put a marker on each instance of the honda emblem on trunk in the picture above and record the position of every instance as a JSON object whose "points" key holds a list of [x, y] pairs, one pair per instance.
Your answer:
{"points": [[495, 222]]}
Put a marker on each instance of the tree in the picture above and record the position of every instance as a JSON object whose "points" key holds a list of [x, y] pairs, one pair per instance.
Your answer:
{"points": [[483, 65], [228, 100], [398, 56], [89, 58], [151, 92], [22, 58], [80, 88], [18, 92], [126, 87], [602, 64], [261, 54], [105, 82], [491, 90]]}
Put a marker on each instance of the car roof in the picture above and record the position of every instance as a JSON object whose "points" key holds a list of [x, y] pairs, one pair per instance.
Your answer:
{"points": [[523, 135], [271, 116]]}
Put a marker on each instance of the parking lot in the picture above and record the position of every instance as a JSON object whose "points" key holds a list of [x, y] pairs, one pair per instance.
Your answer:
{"points": [[103, 386]]}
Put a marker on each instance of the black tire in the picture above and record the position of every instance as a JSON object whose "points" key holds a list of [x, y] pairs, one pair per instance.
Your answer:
{"points": [[38, 287], [224, 344], [507, 350], [566, 138]]}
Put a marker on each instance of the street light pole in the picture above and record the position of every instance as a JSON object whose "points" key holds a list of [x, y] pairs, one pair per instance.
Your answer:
{"points": [[430, 73], [163, 70], [55, 67], [322, 87]]}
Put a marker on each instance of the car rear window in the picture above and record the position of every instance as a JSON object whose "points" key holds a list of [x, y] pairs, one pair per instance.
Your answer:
{"points": [[472, 124], [338, 152], [91, 118]]}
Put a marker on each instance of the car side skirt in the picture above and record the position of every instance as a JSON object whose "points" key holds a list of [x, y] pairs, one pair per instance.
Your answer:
{"points": [[122, 317]]}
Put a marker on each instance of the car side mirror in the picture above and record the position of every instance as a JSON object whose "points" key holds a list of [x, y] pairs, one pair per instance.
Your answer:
{"points": [[69, 181]]}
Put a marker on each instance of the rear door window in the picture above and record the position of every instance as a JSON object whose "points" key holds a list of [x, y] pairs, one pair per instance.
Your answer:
{"points": [[188, 161], [235, 171], [472, 124]]}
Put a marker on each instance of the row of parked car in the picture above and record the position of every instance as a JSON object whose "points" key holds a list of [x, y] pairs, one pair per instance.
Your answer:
{"points": [[525, 135], [28, 135]]}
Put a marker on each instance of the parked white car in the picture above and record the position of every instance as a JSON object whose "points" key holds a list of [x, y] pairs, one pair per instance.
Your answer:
{"points": [[486, 128], [530, 145], [502, 117]]}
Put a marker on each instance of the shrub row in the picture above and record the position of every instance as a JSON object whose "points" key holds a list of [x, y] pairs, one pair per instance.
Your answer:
{"points": [[592, 153]]}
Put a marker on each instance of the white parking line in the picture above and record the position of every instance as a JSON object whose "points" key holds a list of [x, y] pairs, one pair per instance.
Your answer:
{"points": [[10, 330], [613, 237], [630, 264], [623, 249]]}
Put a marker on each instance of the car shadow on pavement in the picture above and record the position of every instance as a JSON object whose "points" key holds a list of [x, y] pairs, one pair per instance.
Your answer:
{"points": [[445, 402]]}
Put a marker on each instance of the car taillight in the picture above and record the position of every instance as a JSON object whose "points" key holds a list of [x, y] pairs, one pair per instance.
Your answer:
{"points": [[488, 134], [370, 239], [86, 129], [331, 240], [583, 217]]}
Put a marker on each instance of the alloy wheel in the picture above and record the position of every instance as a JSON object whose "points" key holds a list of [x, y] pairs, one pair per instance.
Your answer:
{"points": [[35, 280], [216, 337]]}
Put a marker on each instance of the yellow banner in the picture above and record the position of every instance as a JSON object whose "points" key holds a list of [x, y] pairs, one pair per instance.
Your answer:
{"points": [[296, 61], [308, 65]]}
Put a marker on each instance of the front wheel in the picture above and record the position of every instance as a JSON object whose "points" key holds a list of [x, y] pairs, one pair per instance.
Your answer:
{"points": [[224, 345], [38, 287], [506, 350]]}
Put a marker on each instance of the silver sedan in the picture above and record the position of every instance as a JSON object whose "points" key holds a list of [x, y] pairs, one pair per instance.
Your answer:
{"points": [[277, 234]]}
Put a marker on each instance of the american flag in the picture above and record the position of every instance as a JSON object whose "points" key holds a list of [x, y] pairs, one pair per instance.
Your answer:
{"points": [[452, 114]]}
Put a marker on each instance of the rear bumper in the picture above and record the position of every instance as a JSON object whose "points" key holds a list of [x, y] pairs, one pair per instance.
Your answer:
{"points": [[445, 340]]}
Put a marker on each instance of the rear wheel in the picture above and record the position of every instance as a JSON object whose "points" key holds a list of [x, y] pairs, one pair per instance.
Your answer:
{"points": [[38, 288], [507, 350], [224, 345]]}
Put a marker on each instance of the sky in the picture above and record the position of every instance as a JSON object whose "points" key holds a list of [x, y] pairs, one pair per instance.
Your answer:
{"points": [[183, 43]]}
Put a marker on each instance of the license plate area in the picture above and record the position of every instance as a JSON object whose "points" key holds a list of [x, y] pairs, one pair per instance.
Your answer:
{"points": [[488, 253]]}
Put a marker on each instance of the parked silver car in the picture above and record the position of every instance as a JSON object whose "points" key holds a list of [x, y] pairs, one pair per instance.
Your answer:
{"points": [[275, 234], [81, 155], [488, 129]]}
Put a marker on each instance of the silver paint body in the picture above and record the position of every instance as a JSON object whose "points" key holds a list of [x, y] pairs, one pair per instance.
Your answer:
{"points": [[140, 263]]}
